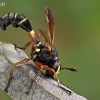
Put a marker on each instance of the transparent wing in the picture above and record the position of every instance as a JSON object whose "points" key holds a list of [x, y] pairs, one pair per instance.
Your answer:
{"points": [[46, 38], [50, 24]]}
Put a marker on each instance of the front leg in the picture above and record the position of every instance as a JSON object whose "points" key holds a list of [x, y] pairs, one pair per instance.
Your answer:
{"points": [[33, 81], [42, 67]]}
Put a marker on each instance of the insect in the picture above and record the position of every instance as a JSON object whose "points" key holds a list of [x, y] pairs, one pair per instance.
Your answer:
{"points": [[45, 56]]}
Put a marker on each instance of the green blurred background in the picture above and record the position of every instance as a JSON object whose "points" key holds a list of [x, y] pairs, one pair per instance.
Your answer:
{"points": [[77, 38]]}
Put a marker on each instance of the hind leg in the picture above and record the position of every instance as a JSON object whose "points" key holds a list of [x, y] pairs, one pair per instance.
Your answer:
{"points": [[11, 72]]}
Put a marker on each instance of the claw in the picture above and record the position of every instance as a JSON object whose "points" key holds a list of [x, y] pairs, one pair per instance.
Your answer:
{"points": [[68, 91], [6, 90], [15, 46], [18, 47], [27, 93]]}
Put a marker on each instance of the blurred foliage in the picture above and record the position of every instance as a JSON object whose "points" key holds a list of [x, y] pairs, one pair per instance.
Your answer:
{"points": [[77, 38]]}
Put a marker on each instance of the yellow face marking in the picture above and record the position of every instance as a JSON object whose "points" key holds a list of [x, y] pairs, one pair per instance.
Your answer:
{"points": [[22, 21], [37, 50]]}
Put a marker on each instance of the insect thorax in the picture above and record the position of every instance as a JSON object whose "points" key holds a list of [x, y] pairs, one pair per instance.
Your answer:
{"points": [[43, 57]]}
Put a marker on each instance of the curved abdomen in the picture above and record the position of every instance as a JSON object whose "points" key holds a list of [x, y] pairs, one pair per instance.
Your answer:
{"points": [[16, 20]]}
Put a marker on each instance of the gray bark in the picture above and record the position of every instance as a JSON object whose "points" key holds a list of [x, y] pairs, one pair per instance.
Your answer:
{"points": [[43, 88]]}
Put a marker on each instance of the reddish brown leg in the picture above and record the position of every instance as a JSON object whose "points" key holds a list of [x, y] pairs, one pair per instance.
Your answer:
{"points": [[46, 68], [10, 79], [23, 48], [11, 72], [42, 68], [22, 61], [33, 81], [33, 47]]}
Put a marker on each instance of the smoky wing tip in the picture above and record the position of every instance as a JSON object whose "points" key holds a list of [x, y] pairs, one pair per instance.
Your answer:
{"points": [[46, 9]]}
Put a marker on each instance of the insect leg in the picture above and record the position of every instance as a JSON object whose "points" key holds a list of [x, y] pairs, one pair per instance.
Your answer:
{"points": [[50, 69], [11, 72], [23, 48], [33, 80], [41, 68], [10, 79]]}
